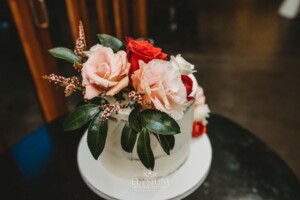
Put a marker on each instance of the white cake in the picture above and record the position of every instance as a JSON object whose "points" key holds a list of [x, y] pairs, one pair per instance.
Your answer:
{"points": [[127, 165]]}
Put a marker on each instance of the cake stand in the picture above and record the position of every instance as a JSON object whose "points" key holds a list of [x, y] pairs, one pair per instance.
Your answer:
{"points": [[177, 185]]}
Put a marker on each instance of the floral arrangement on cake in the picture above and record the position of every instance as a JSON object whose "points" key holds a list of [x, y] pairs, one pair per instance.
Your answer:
{"points": [[133, 75]]}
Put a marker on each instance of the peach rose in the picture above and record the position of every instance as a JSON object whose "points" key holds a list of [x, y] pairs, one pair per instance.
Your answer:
{"points": [[105, 71], [161, 85]]}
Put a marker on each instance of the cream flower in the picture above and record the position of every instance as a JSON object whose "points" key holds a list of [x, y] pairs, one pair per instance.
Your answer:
{"points": [[200, 98], [202, 110], [105, 71], [161, 85], [182, 65], [201, 113]]}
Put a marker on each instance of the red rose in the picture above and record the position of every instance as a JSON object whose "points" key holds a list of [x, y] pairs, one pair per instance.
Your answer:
{"points": [[190, 98], [141, 50], [188, 83], [198, 129]]}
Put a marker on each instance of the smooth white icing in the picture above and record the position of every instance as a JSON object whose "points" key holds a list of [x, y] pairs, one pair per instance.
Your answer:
{"points": [[127, 165]]}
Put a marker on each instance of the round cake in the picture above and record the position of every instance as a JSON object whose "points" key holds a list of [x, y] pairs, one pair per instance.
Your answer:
{"points": [[127, 165]]}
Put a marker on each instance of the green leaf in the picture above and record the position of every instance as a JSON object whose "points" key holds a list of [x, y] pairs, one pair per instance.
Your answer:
{"points": [[144, 149], [167, 142], [128, 138], [134, 119], [159, 122], [96, 137], [110, 41], [65, 54], [80, 116]]}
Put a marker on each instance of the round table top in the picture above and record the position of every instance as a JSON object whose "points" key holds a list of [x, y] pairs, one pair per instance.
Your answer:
{"points": [[44, 166]]}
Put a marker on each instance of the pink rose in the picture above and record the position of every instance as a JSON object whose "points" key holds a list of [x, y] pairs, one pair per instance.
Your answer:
{"points": [[200, 98], [105, 71], [201, 111], [161, 85]]}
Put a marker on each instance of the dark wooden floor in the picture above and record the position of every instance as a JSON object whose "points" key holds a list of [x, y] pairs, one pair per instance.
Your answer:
{"points": [[247, 57]]}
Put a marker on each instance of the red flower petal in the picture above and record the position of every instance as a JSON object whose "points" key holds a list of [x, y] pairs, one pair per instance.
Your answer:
{"points": [[141, 50], [198, 129], [188, 83], [190, 98]]}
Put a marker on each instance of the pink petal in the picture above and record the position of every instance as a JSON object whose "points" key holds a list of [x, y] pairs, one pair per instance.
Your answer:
{"points": [[91, 91], [117, 88]]}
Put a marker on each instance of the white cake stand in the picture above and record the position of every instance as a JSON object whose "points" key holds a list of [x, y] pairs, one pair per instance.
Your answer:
{"points": [[175, 186]]}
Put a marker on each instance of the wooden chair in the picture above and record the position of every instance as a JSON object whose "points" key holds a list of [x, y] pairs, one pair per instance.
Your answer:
{"points": [[36, 41], [31, 20], [77, 10]]}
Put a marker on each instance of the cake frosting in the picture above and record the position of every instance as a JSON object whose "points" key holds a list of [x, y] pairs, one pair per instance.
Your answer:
{"points": [[127, 165]]}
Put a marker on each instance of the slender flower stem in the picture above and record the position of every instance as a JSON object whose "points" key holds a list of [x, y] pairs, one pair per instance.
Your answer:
{"points": [[71, 84]]}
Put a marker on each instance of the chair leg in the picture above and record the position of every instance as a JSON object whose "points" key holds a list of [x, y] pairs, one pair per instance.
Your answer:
{"points": [[117, 16], [140, 17], [124, 16], [77, 11], [36, 42], [103, 16]]}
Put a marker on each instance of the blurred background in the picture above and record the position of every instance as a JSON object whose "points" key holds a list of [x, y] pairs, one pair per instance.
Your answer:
{"points": [[247, 57]]}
